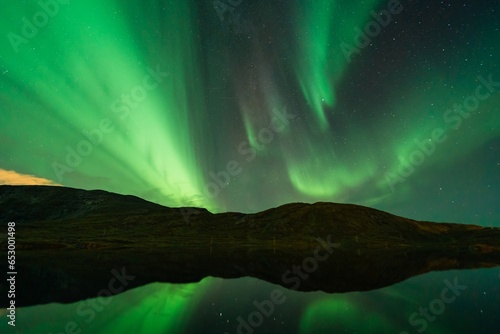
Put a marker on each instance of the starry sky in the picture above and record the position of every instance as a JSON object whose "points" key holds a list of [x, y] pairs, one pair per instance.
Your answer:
{"points": [[244, 105]]}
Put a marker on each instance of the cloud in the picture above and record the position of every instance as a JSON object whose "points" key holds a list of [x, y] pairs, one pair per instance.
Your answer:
{"points": [[11, 177]]}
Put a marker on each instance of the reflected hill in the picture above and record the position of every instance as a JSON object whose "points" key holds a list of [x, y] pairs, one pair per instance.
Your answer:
{"points": [[71, 244]]}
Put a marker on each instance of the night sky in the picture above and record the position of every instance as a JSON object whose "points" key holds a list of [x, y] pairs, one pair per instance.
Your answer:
{"points": [[244, 105], [252, 105]]}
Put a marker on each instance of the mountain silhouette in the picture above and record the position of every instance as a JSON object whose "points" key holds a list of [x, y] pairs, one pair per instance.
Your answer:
{"points": [[70, 243]]}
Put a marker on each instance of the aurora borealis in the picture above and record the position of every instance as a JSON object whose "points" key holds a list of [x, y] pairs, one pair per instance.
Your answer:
{"points": [[219, 83], [277, 102]]}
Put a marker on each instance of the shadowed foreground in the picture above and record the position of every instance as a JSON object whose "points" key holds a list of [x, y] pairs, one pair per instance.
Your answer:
{"points": [[71, 244]]}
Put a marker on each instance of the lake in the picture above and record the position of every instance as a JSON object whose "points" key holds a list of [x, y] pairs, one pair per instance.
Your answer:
{"points": [[454, 301]]}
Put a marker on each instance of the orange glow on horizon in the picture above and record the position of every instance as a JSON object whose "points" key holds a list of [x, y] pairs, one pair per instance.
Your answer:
{"points": [[10, 177]]}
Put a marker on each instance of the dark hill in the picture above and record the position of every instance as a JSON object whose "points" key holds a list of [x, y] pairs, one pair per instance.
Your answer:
{"points": [[71, 239]]}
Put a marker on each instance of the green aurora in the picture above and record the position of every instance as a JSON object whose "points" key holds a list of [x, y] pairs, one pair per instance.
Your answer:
{"points": [[89, 68], [163, 100]]}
